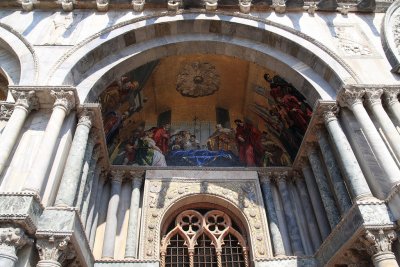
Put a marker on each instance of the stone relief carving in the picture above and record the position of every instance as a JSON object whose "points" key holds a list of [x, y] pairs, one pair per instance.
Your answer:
{"points": [[198, 79], [351, 41], [160, 195]]}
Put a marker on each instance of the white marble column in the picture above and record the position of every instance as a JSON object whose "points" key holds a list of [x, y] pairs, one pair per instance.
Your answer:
{"points": [[322, 182], [11, 239], [53, 251], [73, 167], [339, 188], [354, 176], [276, 236], [373, 98], [319, 211], [112, 221], [64, 102], [308, 211], [25, 101], [132, 239], [378, 244], [92, 225], [393, 104], [294, 233], [353, 99]]}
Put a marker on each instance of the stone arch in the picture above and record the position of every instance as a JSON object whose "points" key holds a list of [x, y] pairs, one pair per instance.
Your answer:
{"points": [[16, 49], [317, 72], [391, 35]]}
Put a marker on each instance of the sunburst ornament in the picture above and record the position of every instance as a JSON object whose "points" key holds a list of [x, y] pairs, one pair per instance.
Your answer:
{"points": [[198, 79]]}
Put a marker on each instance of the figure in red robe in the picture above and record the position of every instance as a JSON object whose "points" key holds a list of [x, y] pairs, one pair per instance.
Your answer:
{"points": [[161, 137], [249, 143]]}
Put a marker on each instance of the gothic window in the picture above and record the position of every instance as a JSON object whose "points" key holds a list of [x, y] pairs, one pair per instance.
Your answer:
{"points": [[208, 240]]}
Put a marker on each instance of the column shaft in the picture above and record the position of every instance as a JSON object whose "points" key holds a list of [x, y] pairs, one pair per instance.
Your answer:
{"points": [[393, 104], [277, 241], [316, 202], [342, 197], [98, 182], [112, 220], [294, 233], [99, 215], [72, 171], [92, 176], [132, 239], [356, 181]]}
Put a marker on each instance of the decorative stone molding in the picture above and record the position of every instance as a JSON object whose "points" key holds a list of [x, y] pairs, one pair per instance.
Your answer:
{"points": [[173, 5], [64, 99], [390, 35], [102, 5], [12, 239], [280, 8], [27, 5], [376, 241], [67, 5], [312, 8], [25, 99], [373, 96], [211, 5], [244, 6], [138, 5], [6, 111], [55, 249]]}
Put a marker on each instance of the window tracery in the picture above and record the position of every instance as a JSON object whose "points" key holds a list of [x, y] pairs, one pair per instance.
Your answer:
{"points": [[203, 240]]}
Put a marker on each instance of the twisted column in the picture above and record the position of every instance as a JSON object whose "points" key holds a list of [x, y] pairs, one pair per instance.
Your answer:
{"points": [[277, 241], [54, 251], [316, 202], [392, 103], [378, 244], [373, 98], [11, 240], [131, 241], [73, 167], [353, 99], [348, 163], [112, 221], [343, 199], [25, 101], [322, 182], [294, 233], [64, 102]]}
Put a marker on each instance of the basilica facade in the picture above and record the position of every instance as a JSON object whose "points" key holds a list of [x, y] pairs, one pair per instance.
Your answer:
{"points": [[199, 133]]}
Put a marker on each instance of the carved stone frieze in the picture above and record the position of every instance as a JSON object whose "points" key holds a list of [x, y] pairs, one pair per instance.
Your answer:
{"points": [[64, 99], [55, 248], [245, 195]]}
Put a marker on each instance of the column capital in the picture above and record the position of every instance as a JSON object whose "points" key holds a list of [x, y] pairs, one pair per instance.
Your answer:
{"points": [[13, 238], [6, 111], [117, 176], [265, 176], [281, 177], [373, 96], [349, 98], [63, 99], [56, 249], [329, 112], [376, 241], [85, 118], [391, 96], [311, 147], [137, 178], [297, 177], [25, 99]]}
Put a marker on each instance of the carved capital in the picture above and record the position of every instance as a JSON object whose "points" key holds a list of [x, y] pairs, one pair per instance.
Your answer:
{"points": [[137, 178], [311, 148], [302, 162], [25, 99], [265, 176], [297, 177], [85, 118], [117, 176], [63, 99], [329, 113], [376, 241], [12, 239], [55, 249], [281, 177], [6, 112], [373, 96], [349, 98], [391, 97], [103, 177]]}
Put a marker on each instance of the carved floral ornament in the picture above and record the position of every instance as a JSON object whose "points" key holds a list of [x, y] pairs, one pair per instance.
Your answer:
{"points": [[198, 79]]}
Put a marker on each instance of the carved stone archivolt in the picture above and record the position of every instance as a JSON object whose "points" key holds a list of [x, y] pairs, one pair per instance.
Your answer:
{"points": [[198, 79], [244, 195]]}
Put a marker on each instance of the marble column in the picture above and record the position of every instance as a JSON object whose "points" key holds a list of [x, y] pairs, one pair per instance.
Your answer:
{"points": [[53, 251], [73, 167], [132, 239], [373, 98], [342, 196], [322, 182], [355, 178], [294, 233], [393, 104], [85, 171], [319, 211], [353, 99], [25, 101], [378, 244], [112, 221], [96, 208], [11, 239], [308, 211], [276, 236], [64, 102]]}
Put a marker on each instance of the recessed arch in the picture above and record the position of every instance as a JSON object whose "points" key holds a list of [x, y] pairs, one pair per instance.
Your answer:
{"points": [[90, 66]]}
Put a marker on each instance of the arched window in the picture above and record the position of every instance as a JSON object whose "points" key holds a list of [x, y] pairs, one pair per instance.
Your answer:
{"points": [[203, 240]]}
